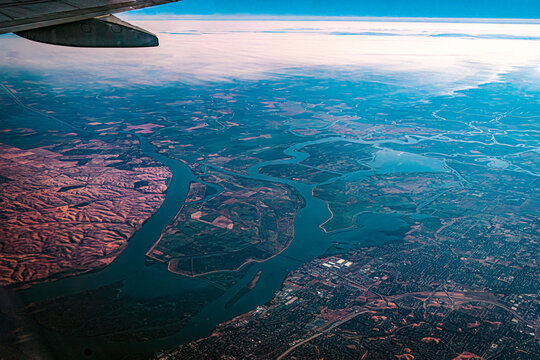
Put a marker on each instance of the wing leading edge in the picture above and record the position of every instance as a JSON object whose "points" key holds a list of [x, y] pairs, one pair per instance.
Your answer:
{"points": [[84, 23]]}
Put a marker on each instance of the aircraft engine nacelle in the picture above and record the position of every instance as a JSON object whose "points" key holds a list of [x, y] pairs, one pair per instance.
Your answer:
{"points": [[107, 31]]}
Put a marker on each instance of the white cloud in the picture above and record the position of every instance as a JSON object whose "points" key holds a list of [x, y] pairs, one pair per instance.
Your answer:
{"points": [[438, 56]]}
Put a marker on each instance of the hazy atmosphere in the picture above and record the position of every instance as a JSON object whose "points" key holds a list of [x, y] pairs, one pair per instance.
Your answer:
{"points": [[275, 180]]}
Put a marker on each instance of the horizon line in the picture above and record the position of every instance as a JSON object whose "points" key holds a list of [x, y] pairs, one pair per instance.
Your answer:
{"points": [[261, 17]]}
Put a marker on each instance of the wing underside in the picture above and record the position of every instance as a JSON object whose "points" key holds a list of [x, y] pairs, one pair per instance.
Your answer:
{"points": [[42, 19]]}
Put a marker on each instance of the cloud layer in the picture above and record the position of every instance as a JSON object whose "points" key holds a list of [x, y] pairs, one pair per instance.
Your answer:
{"points": [[441, 57]]}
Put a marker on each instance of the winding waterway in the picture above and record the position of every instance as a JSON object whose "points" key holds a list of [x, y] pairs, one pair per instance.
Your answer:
{"points": [[141, 280]]}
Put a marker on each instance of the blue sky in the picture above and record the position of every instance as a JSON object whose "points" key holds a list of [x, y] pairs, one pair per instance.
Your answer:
{"points": [[399, 8]]}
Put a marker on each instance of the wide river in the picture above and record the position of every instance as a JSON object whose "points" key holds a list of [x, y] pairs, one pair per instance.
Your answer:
{"points": [[147, 281]]}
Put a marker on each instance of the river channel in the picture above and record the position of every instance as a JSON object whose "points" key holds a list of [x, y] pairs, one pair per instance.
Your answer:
{"points": [[147, 281]]}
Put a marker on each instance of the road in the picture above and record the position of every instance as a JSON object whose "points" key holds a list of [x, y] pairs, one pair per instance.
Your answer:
{"points": [[338, 323]]}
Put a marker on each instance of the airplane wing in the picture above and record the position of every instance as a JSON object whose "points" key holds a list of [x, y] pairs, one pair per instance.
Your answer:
{"points": [[86, 23]]}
